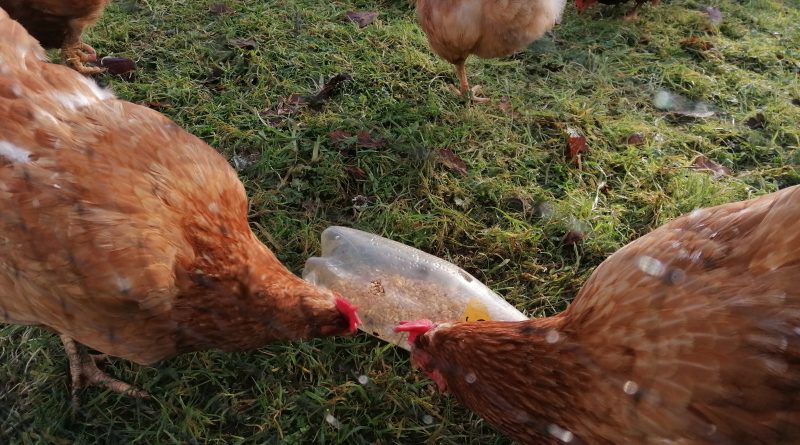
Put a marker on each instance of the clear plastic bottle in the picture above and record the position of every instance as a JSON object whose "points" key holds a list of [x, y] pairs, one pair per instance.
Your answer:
{"points": [[391, 282]]}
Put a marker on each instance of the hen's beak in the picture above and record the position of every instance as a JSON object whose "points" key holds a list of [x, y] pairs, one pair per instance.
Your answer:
{"points": [[348, 310], [414, 328]]}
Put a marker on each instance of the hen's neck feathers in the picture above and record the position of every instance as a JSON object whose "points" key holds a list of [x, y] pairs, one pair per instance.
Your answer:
{"points": [[236, 295], [528, 376]]}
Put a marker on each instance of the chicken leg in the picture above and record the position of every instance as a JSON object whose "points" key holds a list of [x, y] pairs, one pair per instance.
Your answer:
{"points": [[75, 52], [84, 372], [461, 71]]}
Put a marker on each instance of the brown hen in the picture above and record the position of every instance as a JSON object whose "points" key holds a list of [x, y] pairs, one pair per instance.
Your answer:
{"points": [[486, 28], [60, 24], [123, 232], [689, 335]]}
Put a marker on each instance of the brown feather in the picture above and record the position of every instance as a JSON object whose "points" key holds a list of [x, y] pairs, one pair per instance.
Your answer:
{"points": [[55, 22], [688, 335]]}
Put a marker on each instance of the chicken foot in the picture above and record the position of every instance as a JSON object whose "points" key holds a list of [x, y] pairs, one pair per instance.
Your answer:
{"points": [[84, 372], [461, 71], [76, 53]]}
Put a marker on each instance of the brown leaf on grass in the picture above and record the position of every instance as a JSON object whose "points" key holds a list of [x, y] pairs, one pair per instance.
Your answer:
{"points": [[339, 136], [331, 87], [696, 44], [215, 77], [635, 139], [355, 172], [247, 44], [361, 18], [704, 163], [290, 104], [576, 146], [504, 104], [286, 106], [756, 122], [451, 161], [311, 206], [219, 9], [366, 140], [293, 103], [363, 139], [157, 105], [119, 66], [574, 237]]}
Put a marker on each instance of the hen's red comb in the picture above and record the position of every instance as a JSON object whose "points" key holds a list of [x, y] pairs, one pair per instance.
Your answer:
{"points": [[414, 328], [348, 310]]}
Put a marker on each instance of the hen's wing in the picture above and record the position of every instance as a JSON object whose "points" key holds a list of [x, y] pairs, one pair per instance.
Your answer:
{"points": [[704, 316]]}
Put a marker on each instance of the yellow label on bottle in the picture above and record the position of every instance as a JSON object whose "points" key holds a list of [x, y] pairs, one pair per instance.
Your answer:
{"points": [[476, 311]]}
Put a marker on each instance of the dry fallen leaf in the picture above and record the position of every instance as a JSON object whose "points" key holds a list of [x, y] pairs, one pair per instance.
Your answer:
{"points": [[635, 139], [247, 44], [366, 140], [331, 87], [290, 104], [696, 44], [219, 9], [118, 65], [157, 105], [756, 122], [339, 136], [451, 161], [574, 237], [576, 146], [504, 104], [363, 139], [362, 18], [215, 77], [704, 163], [355, 171]]}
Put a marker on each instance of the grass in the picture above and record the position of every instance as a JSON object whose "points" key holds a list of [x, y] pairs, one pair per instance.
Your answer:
{"points": [[505, 221]]}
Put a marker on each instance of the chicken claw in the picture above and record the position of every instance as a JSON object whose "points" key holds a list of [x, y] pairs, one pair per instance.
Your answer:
{"points": [[84, 372], [464, 88], [76, 54]]}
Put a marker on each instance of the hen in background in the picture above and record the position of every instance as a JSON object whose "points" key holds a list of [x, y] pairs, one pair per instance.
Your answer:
{"points": [[486, 28], [60, 24], [122, 232], [583, 4], [689, 335]]}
